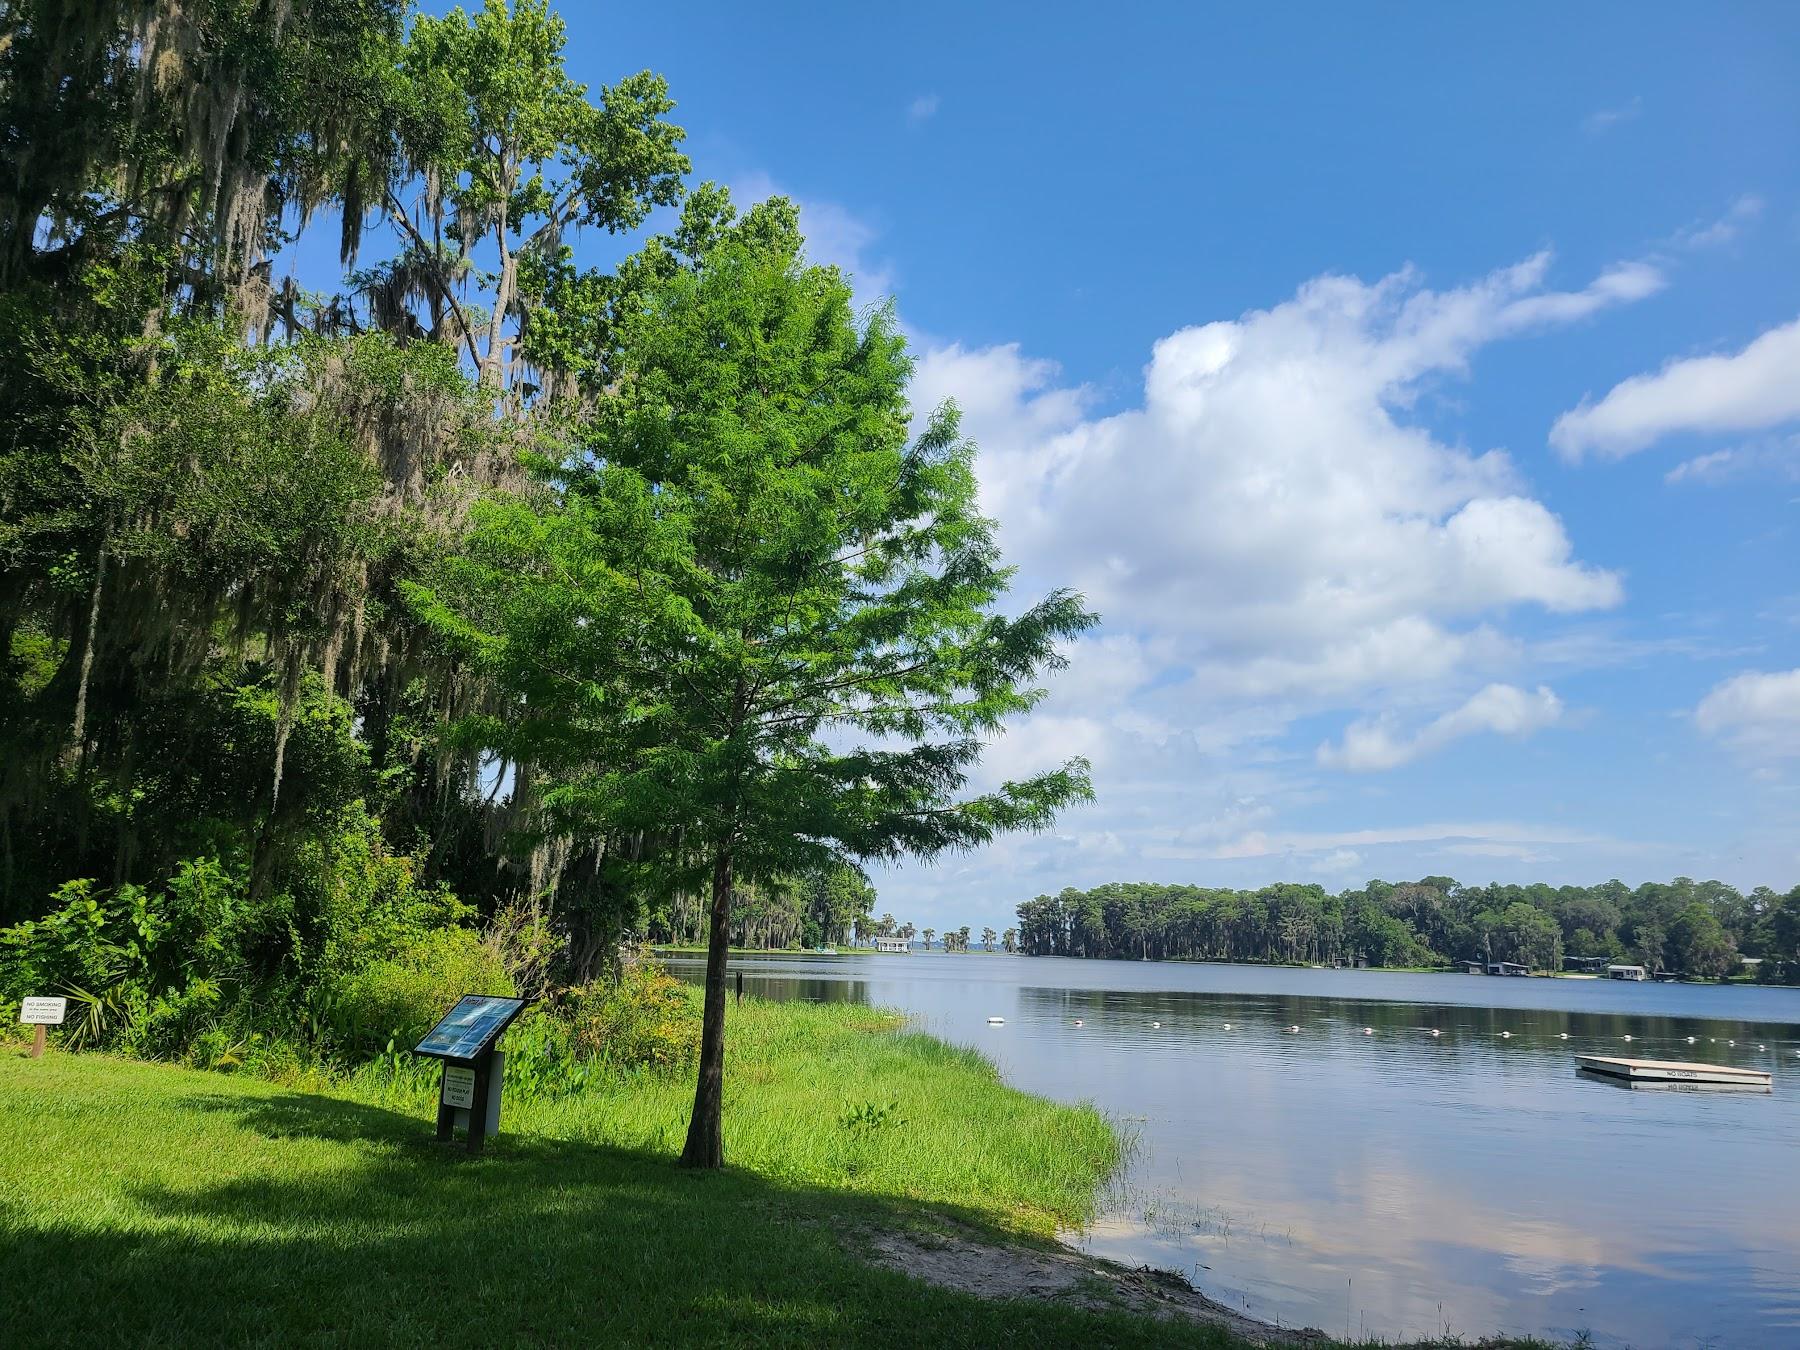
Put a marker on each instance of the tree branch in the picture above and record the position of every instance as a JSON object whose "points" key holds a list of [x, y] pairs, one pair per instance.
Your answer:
{"points": [[400, 218]]}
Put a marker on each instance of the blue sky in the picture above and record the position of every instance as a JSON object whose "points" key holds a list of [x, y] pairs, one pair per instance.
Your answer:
{"points": [[1355, 361]]}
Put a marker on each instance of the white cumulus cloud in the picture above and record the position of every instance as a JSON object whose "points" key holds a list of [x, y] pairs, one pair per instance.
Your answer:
{"points": [[1747, 390], [1269, 512], [1504, 709], [1757, 711]]}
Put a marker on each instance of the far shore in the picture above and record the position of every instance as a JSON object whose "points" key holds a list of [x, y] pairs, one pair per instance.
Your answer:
{"points": [[847, 949]]}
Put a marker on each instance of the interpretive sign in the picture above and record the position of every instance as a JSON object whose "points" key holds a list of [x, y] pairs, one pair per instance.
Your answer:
{"points": [[470, 1028], [459, 1086], [474, 1070]]}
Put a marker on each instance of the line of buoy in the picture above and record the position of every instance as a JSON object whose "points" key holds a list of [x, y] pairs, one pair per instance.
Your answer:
{"points": [[996, 1021], [1434, 1031]]}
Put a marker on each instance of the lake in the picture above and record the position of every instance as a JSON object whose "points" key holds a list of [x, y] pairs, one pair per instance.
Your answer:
{"points": [[1401, 1184]]}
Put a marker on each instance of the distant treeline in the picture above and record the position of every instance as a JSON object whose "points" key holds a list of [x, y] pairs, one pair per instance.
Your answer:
{"points": [[1700, 928]]}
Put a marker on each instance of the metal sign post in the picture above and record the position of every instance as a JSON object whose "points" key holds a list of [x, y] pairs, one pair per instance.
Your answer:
{"points": [[40, 1013]]}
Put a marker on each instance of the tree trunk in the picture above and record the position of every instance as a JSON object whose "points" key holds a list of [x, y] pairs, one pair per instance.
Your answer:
{"points": [[78, 734], [705, 1138]]}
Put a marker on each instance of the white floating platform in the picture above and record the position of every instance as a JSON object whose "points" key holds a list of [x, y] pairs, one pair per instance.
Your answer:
{"points": [[1660, 1071]]}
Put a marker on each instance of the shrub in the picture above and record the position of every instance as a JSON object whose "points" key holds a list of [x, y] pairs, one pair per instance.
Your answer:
{"points": [[359, 903], [643, 1019], [145, 970], [400, 997], [540, 1058]]}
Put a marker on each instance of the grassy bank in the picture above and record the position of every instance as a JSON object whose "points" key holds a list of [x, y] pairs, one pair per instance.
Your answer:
{"points": [[841, 1096], [157, 1205]]}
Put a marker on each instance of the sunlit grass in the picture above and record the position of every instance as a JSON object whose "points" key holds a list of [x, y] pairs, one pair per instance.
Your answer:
{"points": [[841, 1095], [169, 1206]]}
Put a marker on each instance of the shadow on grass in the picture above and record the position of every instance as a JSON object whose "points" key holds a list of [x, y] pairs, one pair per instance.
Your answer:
{"points": [[351, 1225]]}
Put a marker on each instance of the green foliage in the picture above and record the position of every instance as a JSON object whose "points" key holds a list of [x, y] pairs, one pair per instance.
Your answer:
{"points": [[746, 564], [868, 1118], [645, 1019], [750, 553], [401, 996], [1777, 935], [196, 931], [541, 1062], [519, 155], [1695, 928], [362, 903]]}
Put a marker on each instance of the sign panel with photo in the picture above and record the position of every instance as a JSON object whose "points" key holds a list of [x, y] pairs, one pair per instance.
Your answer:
{"points": [[469, 1028]]}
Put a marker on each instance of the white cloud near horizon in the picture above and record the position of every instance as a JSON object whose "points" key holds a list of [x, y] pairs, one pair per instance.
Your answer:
{"points": [[1756, 712], [1376, 744], [1260, 844], [1749, 390]]}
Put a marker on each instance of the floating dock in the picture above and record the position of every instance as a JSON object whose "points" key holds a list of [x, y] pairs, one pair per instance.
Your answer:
{"points": [[1660, 1072]]}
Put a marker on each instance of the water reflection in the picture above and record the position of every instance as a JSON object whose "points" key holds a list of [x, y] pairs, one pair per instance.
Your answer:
{"points": [[1391, 1154]]}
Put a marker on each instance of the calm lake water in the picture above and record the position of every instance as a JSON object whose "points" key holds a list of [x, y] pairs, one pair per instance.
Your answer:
{"points": [[1398, 1184]]}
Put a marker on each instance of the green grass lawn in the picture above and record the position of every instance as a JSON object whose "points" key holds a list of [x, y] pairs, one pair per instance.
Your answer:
{"points": [[149, 1204]]}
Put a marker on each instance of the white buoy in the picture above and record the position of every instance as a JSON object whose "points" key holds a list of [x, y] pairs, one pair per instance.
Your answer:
{"points": [[1690, 1040], [1731, 1042], [1292, 1030], [1628, 1036], [1156, 1024], [1762, 1047], [1228, 1026], [1368, 1031], [996, 1021], [1077, 1021], [1562, 1035], [1506, 1035], [1436, 1032]]}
